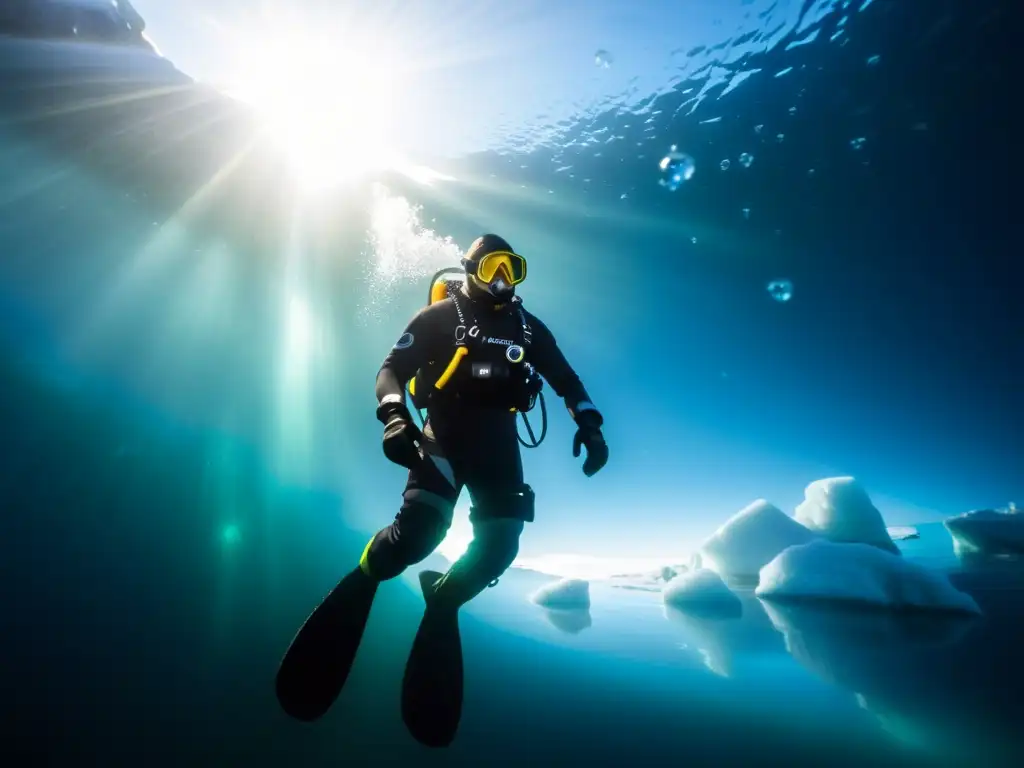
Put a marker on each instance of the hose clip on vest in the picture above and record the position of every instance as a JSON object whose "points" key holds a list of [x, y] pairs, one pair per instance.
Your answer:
{"points": [[534, 381]]}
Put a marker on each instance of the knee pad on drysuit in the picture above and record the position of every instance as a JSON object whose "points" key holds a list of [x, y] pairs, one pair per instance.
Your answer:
{"points": [[517, 504], [418, 529], [493, 549]]}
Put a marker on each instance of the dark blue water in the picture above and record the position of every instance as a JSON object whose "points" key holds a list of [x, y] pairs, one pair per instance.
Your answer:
{"points": [[179, 485]]}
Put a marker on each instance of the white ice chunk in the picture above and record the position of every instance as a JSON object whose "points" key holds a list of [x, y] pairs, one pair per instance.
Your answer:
{"points": [[839, 509], [902, 532], [702, 588], [988, 531], [858, 573], [567, 593], [751, 538]]}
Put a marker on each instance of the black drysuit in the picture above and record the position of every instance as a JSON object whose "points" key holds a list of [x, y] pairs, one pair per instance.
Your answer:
{"points": [[470, 433]]}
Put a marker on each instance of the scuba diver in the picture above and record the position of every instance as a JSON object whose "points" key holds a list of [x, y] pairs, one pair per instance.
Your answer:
{"points": [[474, 358]]}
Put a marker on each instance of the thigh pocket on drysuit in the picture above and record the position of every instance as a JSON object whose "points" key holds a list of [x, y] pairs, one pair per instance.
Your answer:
{"points": [[516, 504]]}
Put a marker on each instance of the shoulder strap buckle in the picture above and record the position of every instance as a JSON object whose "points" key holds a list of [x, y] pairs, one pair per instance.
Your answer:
{"points": [[527, 331]]}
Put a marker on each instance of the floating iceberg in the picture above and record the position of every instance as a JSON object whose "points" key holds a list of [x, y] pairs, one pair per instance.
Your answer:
{"points": [[988, 532], [903, 532], [700, 588], [567, 593], [861, 574], [839, 509], [751, 539]]}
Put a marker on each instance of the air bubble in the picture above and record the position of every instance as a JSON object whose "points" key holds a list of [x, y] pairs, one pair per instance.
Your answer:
{"points": [[677, 168], [781, 290]]}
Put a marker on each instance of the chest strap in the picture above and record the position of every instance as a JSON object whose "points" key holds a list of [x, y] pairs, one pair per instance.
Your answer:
{"points": [[464, 334]]}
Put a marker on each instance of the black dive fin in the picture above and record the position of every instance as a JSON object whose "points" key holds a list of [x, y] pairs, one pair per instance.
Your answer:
{"points": [[318, 661], [432, 687]]}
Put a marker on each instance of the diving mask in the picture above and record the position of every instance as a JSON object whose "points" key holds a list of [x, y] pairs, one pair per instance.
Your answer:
{"points": [[498, 272]]}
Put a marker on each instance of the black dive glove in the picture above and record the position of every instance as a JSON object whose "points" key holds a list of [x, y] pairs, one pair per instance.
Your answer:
{"points": [[588, 433], [401, 435]]}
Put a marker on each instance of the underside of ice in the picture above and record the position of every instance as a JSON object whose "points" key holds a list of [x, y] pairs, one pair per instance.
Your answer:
{"points": [[826, 571], [701, 587], [567, 593], [903, 532], [839, 509], [572, 621], [889, 658], [988, 531], [751, 538], [725, 635]]}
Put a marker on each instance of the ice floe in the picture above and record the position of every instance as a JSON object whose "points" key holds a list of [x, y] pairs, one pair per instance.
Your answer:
{"points": [[988, 531], [702, 588], [903, 532], [839, 509], [751, 539], [862, 574]]}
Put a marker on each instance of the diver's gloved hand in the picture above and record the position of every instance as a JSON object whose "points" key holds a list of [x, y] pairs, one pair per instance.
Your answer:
{"points": [[588, 433], [400, 435]]}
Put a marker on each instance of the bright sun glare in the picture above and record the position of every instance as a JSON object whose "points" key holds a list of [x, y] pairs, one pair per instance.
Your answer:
{"points": [[328, 102]]}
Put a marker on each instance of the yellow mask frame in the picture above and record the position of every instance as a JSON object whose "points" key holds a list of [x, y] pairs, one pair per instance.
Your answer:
{"points": [[513, 265]]}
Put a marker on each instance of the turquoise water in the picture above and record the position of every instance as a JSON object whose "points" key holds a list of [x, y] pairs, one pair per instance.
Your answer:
{"points": [[167, 652], [188, 345], [153, 644]]}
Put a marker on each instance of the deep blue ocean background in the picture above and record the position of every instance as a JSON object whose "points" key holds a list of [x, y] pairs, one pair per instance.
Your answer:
{"points": [[190, 458]]}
